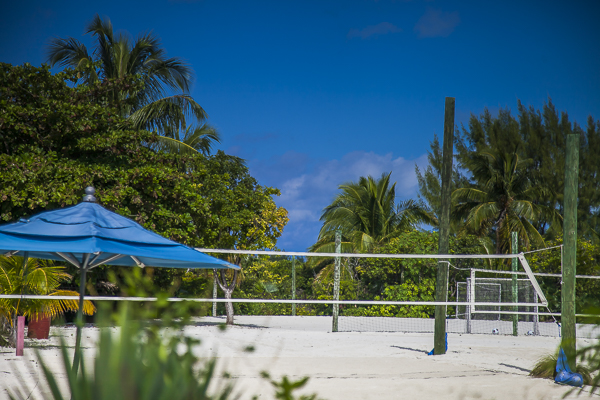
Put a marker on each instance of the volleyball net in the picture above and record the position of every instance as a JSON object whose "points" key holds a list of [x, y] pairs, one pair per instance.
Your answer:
{"points": [[396, 292], [484, 294]]}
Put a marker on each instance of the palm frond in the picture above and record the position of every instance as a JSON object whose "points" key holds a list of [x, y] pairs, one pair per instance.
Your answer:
{"points": [[167, 114], [61, 306], [201, 138], [39, 277]]}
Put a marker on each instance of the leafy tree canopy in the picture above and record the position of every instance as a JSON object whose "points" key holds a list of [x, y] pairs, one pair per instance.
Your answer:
{"points": [[537, 138], [161, 104], [56, 139]]}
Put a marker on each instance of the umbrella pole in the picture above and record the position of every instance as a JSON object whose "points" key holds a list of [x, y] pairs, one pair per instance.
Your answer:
{"points": [[79, 321]]}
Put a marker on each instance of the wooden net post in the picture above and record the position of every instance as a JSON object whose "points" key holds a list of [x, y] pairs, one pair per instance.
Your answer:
{"points": [[568, 328], [441, 286]]}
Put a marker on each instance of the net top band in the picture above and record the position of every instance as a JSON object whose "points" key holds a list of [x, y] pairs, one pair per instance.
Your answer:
{"points": [[355, 255]]}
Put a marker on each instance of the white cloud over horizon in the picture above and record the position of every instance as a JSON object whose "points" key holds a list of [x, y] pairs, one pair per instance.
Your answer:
{"points": [[382, 28], [435, 23], [307, 186]]}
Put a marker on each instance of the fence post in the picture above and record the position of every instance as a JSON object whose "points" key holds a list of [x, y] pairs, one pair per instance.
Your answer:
{"points": [[536, 317], [20, 335], [336, 280], [471, 300], [294, 285], [515, 291], [214, 304]]}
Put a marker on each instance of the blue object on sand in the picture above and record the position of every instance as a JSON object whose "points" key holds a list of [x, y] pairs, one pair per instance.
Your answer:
{"points": [[432, 350], [564, 375]]}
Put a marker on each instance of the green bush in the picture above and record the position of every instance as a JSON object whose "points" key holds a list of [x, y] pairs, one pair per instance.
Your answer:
{"points": [[407, 291]]}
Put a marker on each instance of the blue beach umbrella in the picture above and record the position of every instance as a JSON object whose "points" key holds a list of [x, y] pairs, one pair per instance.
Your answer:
{"points": [[88, 235]]}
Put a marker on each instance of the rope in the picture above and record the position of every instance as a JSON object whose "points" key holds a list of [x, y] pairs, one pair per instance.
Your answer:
{"points": [[546, 248]]}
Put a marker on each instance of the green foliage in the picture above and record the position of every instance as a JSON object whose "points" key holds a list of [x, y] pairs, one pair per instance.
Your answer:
{"points": [[378, 273], [140, 364], [135, 282], [537, 136], [284, 389], [503, 199], [37, 277], [408, 291], [195, 283], [56, 139], [367, 216], [118, 56], [141, 357], [323, 290], [587, 291], [271, 278], [590, 357], [430, 185], [545, 368]]}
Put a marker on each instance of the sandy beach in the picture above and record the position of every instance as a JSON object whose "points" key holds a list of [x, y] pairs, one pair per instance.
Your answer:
{"points": [[343, 365]]}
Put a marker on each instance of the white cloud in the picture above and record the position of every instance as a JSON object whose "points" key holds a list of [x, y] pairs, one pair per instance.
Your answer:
{"points": [[437, 23], [382, 28], [309, 185]]}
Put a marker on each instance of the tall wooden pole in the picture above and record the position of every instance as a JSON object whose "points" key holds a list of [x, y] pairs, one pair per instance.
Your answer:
{"points": [[568, 328], [515, 290], [441, 285], [293, 284], [336, 280]]}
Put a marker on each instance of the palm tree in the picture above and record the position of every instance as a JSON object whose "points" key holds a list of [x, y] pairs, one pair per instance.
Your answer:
{"points": [[117, 56], [367, 216], [503, 200], [39, 277], [198, 138]]}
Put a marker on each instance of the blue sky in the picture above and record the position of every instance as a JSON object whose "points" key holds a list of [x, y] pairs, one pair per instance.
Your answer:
{"points": [[316, 93]]}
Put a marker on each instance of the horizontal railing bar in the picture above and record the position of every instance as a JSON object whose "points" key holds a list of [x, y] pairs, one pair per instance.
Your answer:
{"points": [[527, 313], [357, 255], [280, 301], [494, 271]]}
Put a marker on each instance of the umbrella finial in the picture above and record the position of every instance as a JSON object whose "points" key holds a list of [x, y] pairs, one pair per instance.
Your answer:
{"points": [[89, 194]]}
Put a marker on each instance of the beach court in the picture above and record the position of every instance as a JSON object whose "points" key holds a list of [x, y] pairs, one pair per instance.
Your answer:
{"points": [[343, 365]]}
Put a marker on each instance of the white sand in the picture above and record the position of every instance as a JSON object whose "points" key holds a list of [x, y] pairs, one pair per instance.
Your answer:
{"points": [[341, 365]]}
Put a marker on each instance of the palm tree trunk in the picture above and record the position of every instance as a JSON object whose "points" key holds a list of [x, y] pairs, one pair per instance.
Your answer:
{"points": [[499, 226]]}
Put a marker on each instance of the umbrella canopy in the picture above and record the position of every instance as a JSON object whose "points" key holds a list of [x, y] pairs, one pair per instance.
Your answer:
{"points": [[88, 235]]}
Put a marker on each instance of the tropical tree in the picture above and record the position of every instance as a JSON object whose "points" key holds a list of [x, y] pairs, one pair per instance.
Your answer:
{"points": [[38, 277], [430, 183], [200, 138], [367, 215], [56, 139], [503, 200], [161, 104], [538, 135]]}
